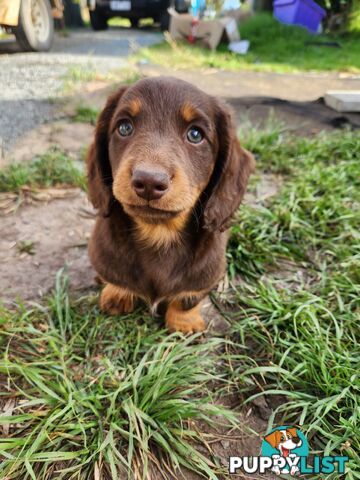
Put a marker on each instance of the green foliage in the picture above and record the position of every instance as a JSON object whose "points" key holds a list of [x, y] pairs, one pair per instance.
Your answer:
{"points": [[273, 47], [96, 393], [51, 168], [86, 114], [77, 75], [315, 216], [296, 318]]}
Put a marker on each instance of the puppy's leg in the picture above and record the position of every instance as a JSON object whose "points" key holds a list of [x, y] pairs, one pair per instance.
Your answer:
{"points": [[116, 300], [183, 314]]}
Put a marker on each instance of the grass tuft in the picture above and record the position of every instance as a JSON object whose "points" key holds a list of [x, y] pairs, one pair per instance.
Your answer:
{"points": [[295, 320], [52, 168], [93, 393], [86, 114], [315, 216], [77, 75]]}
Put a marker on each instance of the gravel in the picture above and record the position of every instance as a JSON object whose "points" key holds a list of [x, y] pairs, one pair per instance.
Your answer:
{"points": [[30, 81]]}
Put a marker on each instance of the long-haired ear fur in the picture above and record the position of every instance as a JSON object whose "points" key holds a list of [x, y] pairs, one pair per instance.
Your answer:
{"points": [[229, 179], [99, 172]]}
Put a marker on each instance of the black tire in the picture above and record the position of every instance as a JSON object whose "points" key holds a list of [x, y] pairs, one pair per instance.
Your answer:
{"points": [[164, 20], [98, 20], [134, 22], [35, 30]]}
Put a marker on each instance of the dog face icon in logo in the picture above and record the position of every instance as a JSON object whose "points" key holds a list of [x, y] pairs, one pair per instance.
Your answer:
{"points": [[285, 445]]}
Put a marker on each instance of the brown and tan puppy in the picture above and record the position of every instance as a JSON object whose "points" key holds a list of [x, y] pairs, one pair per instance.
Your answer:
{"points": [[166, 173]]}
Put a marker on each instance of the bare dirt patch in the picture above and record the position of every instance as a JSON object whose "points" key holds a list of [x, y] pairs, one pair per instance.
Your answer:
{"points": [[40, 239], [71, 138]]}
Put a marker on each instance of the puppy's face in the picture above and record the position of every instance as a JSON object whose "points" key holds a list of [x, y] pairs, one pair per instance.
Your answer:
{"points": [[162, 148], [284, 440]]}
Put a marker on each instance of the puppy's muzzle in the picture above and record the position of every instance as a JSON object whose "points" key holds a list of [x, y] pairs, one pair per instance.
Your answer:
{"points": [[150, 185]]}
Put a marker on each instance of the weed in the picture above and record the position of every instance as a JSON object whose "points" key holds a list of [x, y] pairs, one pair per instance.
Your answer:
{"points": [[86, 114], [26, 246], [49, 169]]}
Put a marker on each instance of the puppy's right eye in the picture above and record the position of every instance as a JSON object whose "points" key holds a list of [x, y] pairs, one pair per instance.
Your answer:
{"points": [[194, 135], [125, 128]]}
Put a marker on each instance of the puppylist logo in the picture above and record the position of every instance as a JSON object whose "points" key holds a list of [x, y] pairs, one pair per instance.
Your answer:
{"points": [[285, 450]]}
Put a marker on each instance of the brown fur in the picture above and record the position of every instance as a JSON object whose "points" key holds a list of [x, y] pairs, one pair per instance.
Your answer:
{"points": [[160, 249], [189, 112], [116, 300], [186, 321], [134, 107], [163, 234]]}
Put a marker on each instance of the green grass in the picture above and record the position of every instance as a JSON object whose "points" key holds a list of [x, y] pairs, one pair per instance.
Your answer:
{"points": [[125, 22], [86, 114], [295, 321], [119, 22], [4, 35], [77, 75], [117, 396], [94, 394], [273, 47], [50, 169], [315, 217]]}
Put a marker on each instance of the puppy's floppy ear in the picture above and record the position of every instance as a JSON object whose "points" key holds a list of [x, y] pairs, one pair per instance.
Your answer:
{"points": [[99, 172], [292, 432], [230, 176], [273, 438]]}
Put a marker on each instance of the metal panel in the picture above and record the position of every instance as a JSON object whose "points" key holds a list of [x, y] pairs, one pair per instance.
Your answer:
{"points": [[9, 12]]}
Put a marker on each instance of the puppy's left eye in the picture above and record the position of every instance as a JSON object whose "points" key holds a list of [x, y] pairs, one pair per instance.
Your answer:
{"points": [[125, 128], [194, 135]]}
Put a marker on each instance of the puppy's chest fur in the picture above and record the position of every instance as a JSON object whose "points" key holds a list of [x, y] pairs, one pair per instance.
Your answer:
{"points": [[155, 272]]}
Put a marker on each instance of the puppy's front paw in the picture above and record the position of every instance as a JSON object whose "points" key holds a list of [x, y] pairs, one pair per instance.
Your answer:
{"points": [[188, 321], [116, 300]]}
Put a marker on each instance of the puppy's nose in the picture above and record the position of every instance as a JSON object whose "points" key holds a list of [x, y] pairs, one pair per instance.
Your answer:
{"points": [[296, 440], [150, 185]]}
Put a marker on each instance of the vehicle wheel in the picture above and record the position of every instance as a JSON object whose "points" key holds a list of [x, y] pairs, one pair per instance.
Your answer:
{"points": [[98, 20], [164, 20], [134, 22], [35, 30]]}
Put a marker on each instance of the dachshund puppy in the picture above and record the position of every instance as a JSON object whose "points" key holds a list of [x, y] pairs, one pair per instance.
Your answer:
{"points": [[166, 173]]}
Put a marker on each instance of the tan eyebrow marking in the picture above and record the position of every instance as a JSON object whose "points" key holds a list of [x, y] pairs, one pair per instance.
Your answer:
{"points": [[134, 106], [188, 112]]}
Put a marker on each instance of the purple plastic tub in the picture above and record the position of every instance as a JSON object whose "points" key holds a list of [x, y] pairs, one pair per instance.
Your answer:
{"points": [[306, 13]]}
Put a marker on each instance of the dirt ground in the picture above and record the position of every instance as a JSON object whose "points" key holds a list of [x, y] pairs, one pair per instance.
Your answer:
{"points": [[58, 226], [58, 231]]}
